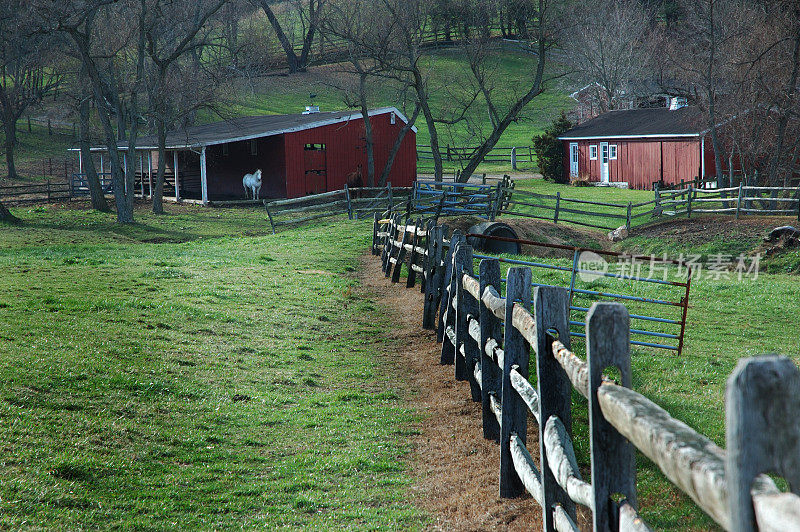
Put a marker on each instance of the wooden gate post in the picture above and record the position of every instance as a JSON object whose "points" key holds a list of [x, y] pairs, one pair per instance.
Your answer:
{"points": [[762, 422], [551, 311], [447, 274], [490, 329], [613, 459], [463, 264], [516, 354], [426, 259], [689, 203], [387, 244]]}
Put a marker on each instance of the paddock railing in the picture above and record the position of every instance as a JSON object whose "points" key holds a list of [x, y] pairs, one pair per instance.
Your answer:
{"points": [[353, 202], [47, 191], [659, 304], [514, 351]]}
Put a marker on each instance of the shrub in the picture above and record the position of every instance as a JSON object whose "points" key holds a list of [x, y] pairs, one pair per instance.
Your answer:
{"points": [[550, 151]]}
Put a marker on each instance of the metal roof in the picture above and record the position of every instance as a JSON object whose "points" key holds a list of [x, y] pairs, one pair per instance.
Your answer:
{"points": [[249, 127], [640, 123]]}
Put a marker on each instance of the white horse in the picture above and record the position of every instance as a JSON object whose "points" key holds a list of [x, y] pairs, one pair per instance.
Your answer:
{"points": [[252, 182]]}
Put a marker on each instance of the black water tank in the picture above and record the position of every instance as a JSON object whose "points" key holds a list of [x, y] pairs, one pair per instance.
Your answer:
{"points": [[494, 246]]}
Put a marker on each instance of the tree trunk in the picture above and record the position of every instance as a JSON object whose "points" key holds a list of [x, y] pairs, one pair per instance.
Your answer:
{"points": [[291, 57], [783, 121], [370, 145], [6, 216], [10, 127], [96, 194], [396, 147], [158, 193], [422, 97]]}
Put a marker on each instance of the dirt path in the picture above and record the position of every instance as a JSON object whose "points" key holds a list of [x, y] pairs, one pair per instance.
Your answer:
{"points": [[456, 471]]}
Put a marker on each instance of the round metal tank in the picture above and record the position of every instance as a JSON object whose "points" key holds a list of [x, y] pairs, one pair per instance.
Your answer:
{"points": [[494, 246]]}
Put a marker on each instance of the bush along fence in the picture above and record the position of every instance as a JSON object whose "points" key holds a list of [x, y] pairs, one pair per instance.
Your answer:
{"points": [[489, 338], [660, 305], [354, 202]]}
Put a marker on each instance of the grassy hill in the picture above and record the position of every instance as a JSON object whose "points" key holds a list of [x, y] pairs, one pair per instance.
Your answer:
{"points": [[510, 71]]}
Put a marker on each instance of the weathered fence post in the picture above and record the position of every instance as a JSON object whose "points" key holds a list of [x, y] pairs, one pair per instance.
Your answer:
{"points": [[349, 203], [401, 253], [414, 256], [448, 293], [490, 328], [613, 459], [514, 158], [516, 355], [657, 206], [435, 273], [628, 217], [389, 195], [689, 203], [739, 200], [375, 217], [558, 205], [762, 422], [551, 311], [797, 197], [463, 264]]}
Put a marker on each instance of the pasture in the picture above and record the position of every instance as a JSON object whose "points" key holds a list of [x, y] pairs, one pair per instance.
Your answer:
{"points": [[189, 371], [195, 369]]}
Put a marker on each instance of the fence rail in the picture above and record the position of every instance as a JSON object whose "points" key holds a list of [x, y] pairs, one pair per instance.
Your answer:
{"points": [[494, 340], [353, 202], [35, 193], [509, 154]]}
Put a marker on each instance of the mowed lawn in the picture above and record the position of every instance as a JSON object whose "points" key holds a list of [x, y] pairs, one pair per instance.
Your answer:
{"points": [[194, 371]]}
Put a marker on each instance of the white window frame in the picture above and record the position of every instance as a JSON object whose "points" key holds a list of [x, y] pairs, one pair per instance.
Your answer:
{"points": [[593, 152], [612, 152]]}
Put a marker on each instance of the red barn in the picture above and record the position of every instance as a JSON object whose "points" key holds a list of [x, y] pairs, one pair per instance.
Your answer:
{"points": [[298, 154], [640, 147]]}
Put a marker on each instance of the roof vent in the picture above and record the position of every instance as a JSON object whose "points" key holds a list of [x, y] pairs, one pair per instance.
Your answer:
{"points": [[677, 102], [311, 109]]}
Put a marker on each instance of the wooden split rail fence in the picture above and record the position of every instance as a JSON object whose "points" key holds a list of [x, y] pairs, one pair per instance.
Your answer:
{"points": [[35, 193], [354, 202], [660, 304], [489, 338]]}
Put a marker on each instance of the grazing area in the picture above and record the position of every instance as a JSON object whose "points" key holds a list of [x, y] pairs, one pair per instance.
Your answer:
{"points": [[197, 369], [190, 371]]}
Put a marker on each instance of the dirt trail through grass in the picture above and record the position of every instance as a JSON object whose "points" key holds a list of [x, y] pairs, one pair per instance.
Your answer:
{"points": [[455, 469]]}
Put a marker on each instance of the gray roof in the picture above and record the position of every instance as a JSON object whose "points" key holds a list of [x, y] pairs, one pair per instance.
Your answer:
{"points": [[250, 127], [656, 122]]}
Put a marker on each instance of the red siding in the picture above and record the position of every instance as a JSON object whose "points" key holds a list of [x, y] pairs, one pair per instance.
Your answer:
{"points": [[640, 162], [345, 150]]}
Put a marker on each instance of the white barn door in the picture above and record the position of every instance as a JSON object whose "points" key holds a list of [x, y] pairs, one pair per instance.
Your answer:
{"points": [[573, 159], [604, 162]]}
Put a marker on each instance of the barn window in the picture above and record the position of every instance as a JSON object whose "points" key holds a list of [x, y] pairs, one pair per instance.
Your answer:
{"points": [[393, 118], [593, 152], [253, 147], [612, 153], [226, 149], [315, 147]]}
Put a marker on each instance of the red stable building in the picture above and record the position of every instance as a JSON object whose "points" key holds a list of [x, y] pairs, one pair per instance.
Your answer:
{"points": [[298, 154], [640, 147]]}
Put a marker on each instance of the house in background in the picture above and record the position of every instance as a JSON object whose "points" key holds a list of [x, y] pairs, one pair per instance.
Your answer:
{"points": [[638, 147], [299, 154]]}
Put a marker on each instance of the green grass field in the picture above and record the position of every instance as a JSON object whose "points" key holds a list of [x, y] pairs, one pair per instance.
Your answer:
{"points": [[195, 369], [189, 371]]}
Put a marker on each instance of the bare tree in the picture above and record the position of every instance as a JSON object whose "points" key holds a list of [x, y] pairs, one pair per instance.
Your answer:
{"points": [[479, 52], [171, 33], [310, 13], [609, 52], [26, 70]]}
